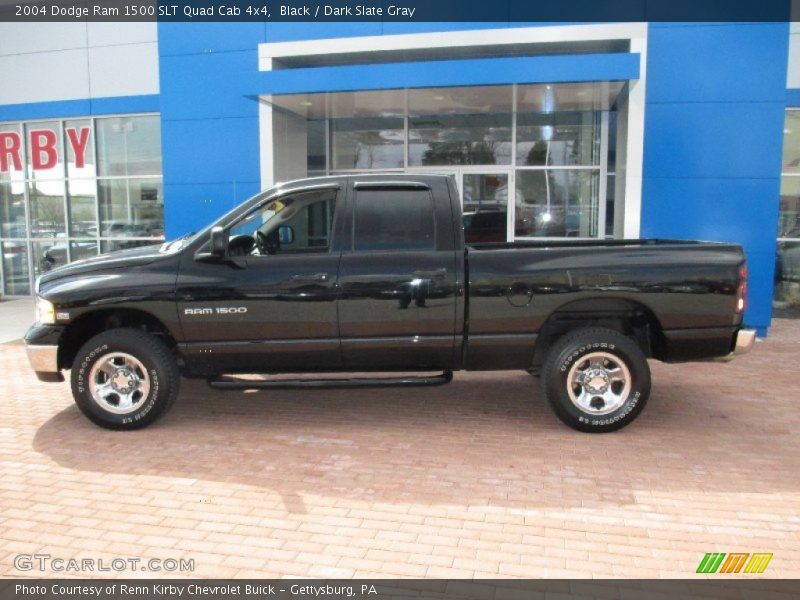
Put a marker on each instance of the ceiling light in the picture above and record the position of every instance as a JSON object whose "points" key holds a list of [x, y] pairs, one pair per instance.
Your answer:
{"points": [[438, 98], [306, 103]]}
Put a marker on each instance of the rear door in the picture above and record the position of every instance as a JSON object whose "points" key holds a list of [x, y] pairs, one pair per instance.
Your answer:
{"points": [[398, 282]]}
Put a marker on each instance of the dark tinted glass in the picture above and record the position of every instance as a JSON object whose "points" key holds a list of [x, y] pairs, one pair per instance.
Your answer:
{"points": [[394, 219]]}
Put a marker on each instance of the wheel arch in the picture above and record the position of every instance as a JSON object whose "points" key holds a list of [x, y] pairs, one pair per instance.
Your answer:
{"points": [[629, 317], [90, 323]]}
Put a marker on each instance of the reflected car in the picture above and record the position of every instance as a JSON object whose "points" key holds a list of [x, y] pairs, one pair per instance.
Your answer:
{"points": [[56, 255], [123, 229]]}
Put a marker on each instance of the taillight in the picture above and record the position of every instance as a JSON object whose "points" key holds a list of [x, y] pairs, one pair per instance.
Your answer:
{"points": [[741, 290]]}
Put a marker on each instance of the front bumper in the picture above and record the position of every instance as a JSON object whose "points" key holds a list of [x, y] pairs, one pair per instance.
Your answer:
{"points": [[41, 345], [44, 360], [743, 343]]}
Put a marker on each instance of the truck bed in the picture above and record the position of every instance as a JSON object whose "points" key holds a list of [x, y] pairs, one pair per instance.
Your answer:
{"points": [[686, 289]]}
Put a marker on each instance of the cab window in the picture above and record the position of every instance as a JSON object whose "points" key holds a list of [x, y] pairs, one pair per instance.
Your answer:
{"points": [[292, 224]]}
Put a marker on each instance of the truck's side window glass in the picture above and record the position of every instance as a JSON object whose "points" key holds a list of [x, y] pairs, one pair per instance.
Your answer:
{"points": [[300, 223], [394, 219]]}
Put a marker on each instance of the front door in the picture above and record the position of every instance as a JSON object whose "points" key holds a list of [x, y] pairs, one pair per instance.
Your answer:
{"points": [[272, 305], [398, 279]]}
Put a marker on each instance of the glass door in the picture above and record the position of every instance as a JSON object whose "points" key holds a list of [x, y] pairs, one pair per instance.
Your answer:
{"points": [[484, 200]]}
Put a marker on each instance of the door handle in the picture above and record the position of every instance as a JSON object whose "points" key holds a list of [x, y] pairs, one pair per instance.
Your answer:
{"points": [[310, 277], [435, 274]]}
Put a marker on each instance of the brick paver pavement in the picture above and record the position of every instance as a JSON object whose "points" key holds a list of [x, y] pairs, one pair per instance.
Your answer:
{"points": [[477, 478]]}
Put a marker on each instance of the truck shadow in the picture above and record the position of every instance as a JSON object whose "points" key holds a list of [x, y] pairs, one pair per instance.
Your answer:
{"points": [[485, 439]]}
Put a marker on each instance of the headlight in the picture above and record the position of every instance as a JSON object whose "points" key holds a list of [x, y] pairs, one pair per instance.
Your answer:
{"points": [[45, 312]]}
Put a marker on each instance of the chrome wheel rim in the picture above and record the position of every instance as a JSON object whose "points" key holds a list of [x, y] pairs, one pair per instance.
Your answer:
{"points": [[119, 383], [599, 383]]}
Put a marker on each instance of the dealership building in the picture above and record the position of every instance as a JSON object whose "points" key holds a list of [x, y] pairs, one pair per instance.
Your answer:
{"points": [[114, 135]]}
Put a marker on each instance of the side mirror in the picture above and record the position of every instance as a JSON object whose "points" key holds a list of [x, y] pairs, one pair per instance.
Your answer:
{"points": [[217, 247], [219, 242], [286, 234]]}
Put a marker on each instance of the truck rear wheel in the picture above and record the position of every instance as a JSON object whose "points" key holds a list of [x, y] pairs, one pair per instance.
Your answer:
{"points": [[124, 379], [596, 379]]}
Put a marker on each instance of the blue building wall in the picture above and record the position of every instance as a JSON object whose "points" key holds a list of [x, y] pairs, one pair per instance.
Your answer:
{"points": [[716, 95], [714, 117]]}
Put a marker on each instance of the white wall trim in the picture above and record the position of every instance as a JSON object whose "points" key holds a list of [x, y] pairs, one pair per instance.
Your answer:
{"points": [[449, 39]]}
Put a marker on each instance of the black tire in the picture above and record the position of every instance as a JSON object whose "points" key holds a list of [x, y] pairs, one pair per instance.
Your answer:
{"points": [[572, 352], [162, 376]]}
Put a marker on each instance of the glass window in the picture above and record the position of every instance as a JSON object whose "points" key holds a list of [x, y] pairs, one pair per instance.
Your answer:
{"points": [[80, 148], [459, 140], [45, 155], [485, 205], [787, 279], [49, 255], [309, 229], [556, 203], [82, 198], [394, 219], [114, 245], [286, 225], [791, 142], [82, 249], [315, 132], [12, 163], [789, 221], [48, 218], [131, 208], [15, 268], [372, 143], [12, 210], [129, 145], [558, 139]]}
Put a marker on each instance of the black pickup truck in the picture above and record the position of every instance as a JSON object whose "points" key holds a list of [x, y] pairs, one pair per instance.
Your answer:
{"points": [[371, 274]]}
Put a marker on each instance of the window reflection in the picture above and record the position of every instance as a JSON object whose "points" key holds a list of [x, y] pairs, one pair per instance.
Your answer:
{"points": [[485, 205], [791, 142], [46, 199], [374, 143], [131, 208], [558, 139], [556, 203], [12, 210], [459, 140], [15, 268], [129, 145], [786, 299]]}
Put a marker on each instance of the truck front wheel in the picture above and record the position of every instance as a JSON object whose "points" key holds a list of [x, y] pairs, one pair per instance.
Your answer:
{"points": [[596, 379], [124, 379]]}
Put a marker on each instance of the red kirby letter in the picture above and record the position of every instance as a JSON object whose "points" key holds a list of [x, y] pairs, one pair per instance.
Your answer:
{"points": [[9, 148], [43, 144], [78, 139]]}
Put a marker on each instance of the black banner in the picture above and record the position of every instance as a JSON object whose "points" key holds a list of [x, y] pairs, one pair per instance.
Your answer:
{"points": [[721, 588], [398, 10]]}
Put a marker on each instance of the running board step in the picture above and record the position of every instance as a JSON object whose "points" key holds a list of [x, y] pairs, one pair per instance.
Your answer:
{"points": [[351, 382]]}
